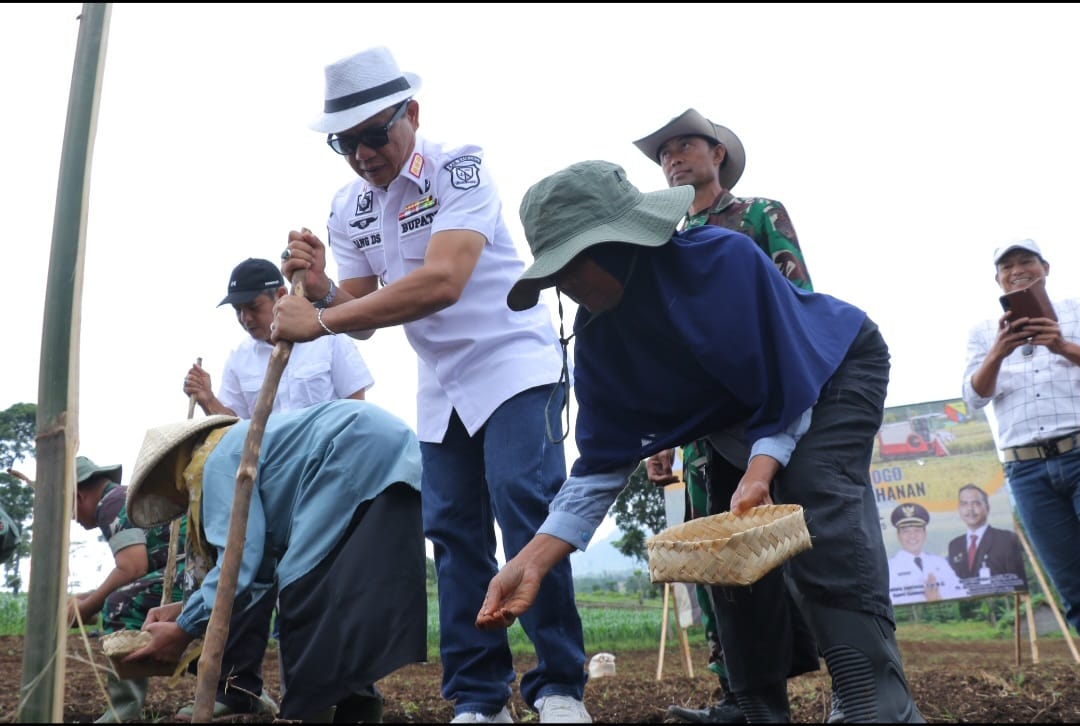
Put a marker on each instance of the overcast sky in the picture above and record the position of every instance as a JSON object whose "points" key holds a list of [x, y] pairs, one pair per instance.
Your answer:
{"points": [[906, 141]]}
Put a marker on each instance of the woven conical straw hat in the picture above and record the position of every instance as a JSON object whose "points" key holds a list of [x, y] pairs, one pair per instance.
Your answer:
{"points": [[152, 496], [724, 549]]}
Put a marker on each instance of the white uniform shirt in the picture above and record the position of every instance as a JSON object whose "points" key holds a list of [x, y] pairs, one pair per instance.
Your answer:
{"points": [[907, 581], [324, 369], [477, 353], [1036, 397]]}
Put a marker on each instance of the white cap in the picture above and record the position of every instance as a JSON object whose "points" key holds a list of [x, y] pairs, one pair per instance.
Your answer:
{"points": [[1024, 244]]}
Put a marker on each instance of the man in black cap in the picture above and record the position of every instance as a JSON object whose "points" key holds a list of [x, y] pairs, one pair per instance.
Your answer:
{"points": [[324, 369], [914, 574]]}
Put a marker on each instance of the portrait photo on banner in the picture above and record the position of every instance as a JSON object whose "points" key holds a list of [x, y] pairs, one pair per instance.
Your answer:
{"points": [[945, 510]]}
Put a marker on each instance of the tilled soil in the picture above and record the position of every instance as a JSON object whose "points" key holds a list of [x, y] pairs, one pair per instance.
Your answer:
{"points": [[953, 682]]}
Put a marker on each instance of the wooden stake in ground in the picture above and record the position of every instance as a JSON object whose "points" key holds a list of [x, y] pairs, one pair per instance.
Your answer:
{"points": [[1049, 593], [217, 632], [174, 529]]}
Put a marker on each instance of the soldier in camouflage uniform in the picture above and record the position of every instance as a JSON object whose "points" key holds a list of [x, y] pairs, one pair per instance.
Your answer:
{"points": [[134, 585], [691, 150]]}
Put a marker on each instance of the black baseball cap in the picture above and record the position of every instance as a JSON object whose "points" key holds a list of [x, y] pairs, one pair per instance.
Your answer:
{"points": [[251, 278]]}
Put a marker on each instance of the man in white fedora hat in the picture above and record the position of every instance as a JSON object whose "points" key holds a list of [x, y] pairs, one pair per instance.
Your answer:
{"points": [[692, 150], [333, 529], [420, 241], [804, 374]]}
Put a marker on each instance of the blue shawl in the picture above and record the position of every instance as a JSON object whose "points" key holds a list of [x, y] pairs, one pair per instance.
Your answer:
{"points": [[708, 334]]}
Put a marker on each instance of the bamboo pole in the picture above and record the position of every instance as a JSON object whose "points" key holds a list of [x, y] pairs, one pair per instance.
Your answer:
{"points": [[169, 577], [1049, 593], [217, 632], [41, 696]]}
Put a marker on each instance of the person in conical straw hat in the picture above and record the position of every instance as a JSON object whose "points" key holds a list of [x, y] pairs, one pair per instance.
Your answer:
{"points": [[680, 334], [335, 482]]}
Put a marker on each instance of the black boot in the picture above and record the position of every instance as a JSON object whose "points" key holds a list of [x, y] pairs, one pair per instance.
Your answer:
{"points": [[864, 662], [768, 704], [726, 710]]}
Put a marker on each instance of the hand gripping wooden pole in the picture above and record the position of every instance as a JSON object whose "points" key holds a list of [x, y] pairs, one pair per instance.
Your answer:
{"points": [[169, 577], [217, 632]]}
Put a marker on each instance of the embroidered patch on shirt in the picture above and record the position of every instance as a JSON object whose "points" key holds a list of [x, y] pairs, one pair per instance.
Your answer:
{"points": [[416, 207], [363, 223], [464, 172], [418, 222], [370, 240], [363, 204], [416, 165]]}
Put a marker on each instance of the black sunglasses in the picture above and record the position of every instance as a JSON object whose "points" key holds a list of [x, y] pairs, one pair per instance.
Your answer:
{"points": [[373, 138]]}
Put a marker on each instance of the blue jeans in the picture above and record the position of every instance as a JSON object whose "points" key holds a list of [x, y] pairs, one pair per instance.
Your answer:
{"points": [[507, 473], [1047, 494]]}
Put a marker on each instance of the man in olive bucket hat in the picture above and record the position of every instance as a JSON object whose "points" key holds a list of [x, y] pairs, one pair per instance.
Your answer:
{"points": [[134, 584], [334, 519], [680, 334]]}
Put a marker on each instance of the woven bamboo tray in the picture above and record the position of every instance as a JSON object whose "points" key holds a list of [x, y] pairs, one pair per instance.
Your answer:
{"points": [[723, 549], [123, 643]]}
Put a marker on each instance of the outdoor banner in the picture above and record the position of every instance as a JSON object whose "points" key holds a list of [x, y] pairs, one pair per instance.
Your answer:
{"points": [[939, 481]]}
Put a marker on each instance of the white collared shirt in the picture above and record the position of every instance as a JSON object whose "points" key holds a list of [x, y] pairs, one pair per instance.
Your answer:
{"points": [[907, 581], [476, 353], [1036, 397], [323, 369]]}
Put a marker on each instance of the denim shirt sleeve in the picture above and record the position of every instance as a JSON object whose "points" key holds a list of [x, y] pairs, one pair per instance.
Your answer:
{"points": [[581, 505], [780, 446]]}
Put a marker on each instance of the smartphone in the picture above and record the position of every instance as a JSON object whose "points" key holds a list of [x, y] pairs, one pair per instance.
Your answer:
{"points": [[1029, 302]]}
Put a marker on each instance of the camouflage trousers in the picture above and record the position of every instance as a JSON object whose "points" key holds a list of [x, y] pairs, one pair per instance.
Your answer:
{"points": [[126, 607]]}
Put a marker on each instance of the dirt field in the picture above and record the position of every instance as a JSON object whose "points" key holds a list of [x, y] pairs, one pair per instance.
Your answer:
{"points": [[953, 683]]}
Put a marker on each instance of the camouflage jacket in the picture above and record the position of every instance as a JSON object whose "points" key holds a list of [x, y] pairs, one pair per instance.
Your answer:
{"points": [[766, 222]]}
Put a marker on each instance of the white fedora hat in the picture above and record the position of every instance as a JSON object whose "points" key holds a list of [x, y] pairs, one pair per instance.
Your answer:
{"points": [[360, 86], [152, 496]]}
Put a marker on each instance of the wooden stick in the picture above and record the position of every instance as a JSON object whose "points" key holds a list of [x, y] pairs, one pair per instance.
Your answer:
{"points": [[1016, 624], [1049, 593], [217, 632], [1032, 635], [169, 577], [20, 475], [685, 640], [663, 631]]}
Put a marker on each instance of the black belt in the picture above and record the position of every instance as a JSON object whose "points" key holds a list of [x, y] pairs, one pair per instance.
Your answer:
{"points": [[1048, 450]]}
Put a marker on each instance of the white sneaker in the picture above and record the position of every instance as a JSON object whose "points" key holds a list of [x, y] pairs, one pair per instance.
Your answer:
{"points": [[562, 709], [502, 716]]}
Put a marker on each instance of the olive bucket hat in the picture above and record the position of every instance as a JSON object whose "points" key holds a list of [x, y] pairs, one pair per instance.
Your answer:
{"points": [[586, 204], [85, 470], [152, 494]]}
